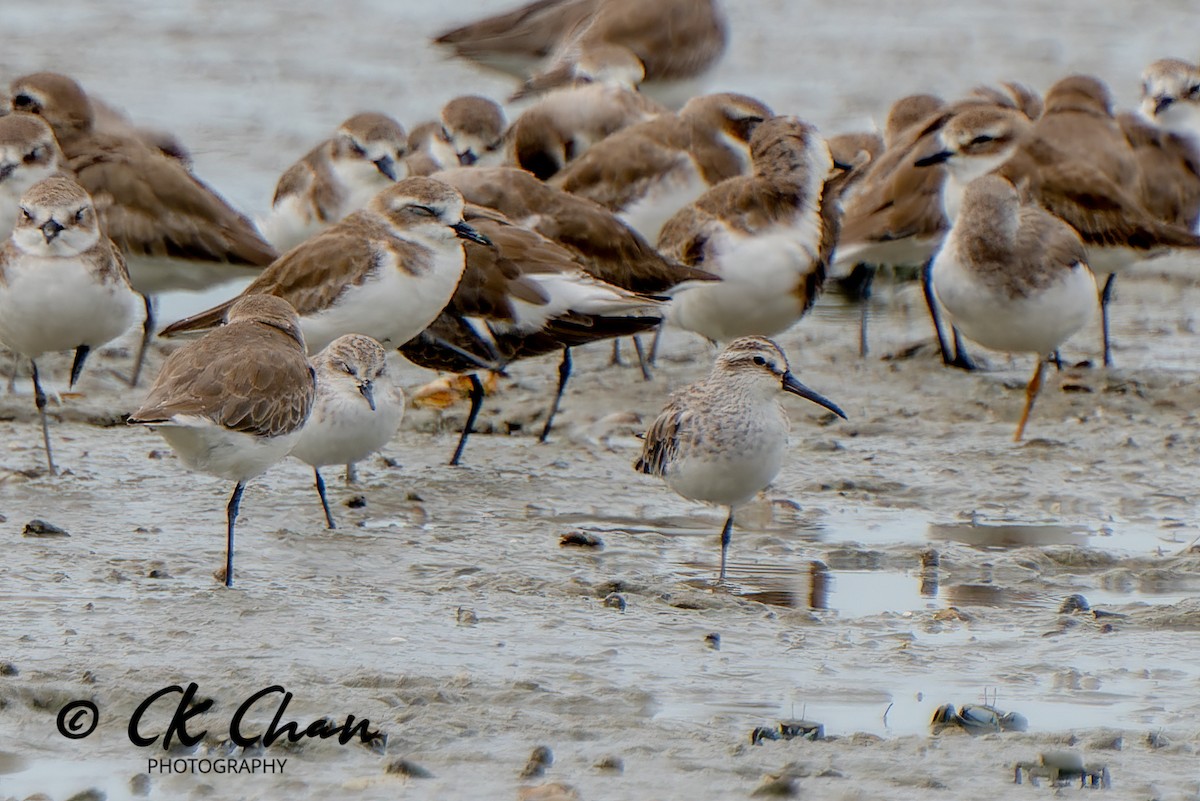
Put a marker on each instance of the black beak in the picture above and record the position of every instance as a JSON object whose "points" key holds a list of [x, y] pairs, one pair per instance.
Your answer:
{"points": [[7, 170], [51, 229], [790, 384], [387, 166], [368, 392], [467, 158], [1162, 103], [465, 231], [936, 158], [843, 166]]}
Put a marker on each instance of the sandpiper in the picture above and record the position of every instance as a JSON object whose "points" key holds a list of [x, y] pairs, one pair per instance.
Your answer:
{"points": [[1170, 162], [768, 236], [357, 409], [385, 272], [28, 153], [336, 177], [648, 171], [175, 232], [1013, 278], [234, 402], [63, 284], [722, 440]]}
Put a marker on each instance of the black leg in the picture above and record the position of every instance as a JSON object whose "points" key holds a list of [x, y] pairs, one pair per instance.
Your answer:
{"points": [[1056, 357], [931, 302], [1105, 297], [147, 334], [81, 354], [962, 359], [642, 363], [564, 372], [616, 361], [726, 536], [864, 299], [39, 398], [653, 358], [476, 402], [231, 512], [324, 501]]}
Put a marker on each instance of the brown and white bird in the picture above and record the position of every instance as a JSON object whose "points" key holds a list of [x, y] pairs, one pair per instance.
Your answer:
{"points": [[175, 232], [1170, 162], [722, 440], [338, 176], [648, 171], [769, 237], [357, 410], [234, 402], [385, 271], [469, 131], [28, 153], [1013, 277], [63, 284]]}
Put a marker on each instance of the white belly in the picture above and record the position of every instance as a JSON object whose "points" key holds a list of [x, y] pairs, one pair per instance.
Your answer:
{"points": [[290, 222], [342, 429], [56, 304], [211, 449], [730, 477], [650, 213], [153, 276]]}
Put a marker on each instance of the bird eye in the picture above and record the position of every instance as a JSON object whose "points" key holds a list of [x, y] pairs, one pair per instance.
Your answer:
{"points": [[79, 215], [34, 156], [357, 149], [22, 101], [345, 368], [425, 210], [759, 360], [1194, 90], [25, 213], [982, 139]]}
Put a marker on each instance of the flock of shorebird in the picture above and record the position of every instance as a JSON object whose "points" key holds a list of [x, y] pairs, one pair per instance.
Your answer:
{"points": [[601, 211]]}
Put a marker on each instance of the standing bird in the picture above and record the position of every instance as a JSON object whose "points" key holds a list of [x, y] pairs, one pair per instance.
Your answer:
{"points": [[336, 177], [386, 271], [234, 402], [769, 236], [722, 440], [174, 231], [1013, 278], [357, 410], [63, 284]]}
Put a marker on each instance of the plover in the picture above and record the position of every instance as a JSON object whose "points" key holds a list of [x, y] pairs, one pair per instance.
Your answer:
{"points": [[768, 236], [28, 153], [908, 112], [1171, 162], [1013, 278], [564, 123], [678, 42], [234, 402], [524, 296], [358, 408], [722, 440], [647, 172], [63, 284], [175, 232], [429, 150], [385, 272], [474, 126], [516, 42], [338, 176]]}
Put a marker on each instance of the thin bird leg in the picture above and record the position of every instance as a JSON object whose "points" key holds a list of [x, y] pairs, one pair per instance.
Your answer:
{"points": [[324, 501], [615, 360], [81, 354], [1056, 357], [231, 511], [351, 474], [39, 398], [726, 536], [476, 402], [652, 360], [642, 363], [864, 299], [931, 302], [962, 359], [12, 378], [564, 372], [147, 334], [1105, 297], [1031, 393]]}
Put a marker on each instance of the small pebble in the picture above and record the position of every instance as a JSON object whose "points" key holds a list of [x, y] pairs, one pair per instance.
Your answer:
{"points": [[139, 785], [614, 600], [403, 767], [541, 758], [713, 641], [466, 617], [581, 539], [356, 501], [40, 528], [612, 763]]}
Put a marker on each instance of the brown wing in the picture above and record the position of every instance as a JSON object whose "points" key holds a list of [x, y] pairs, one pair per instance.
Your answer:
{"points": [[1170, 172], [674, 39], [246, 377], [530, 31], [661, 445], [616, 171], [152, 206], [684, 238]]}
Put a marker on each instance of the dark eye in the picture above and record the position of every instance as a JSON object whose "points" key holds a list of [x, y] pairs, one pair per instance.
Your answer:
{"points": [[1194, 90], [23, 100], [982, 140], [759, 360], [345, 368], [34, 156], [79, 215], [25, 213], [357, 149]]}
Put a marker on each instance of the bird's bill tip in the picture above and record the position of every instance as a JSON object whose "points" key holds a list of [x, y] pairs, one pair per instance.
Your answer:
{"points": [[368, 391], [464, 231], [941, 157], [790, 384], [387, 166]]}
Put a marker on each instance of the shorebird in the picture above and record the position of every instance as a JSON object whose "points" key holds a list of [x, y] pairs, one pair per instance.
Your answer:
{"points": [[63, 284], [563, 124], [1013, 278], [523, 296], [722, 440], [385, 271], [474, 126], [234, 402], [358, 408], [1170, 162], [769, 236], [28, 153], [336, 177], [648, 171], [175, 232]]}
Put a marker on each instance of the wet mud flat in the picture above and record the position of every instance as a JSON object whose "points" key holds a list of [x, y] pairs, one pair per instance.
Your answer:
{"points": [[910, 557]]}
